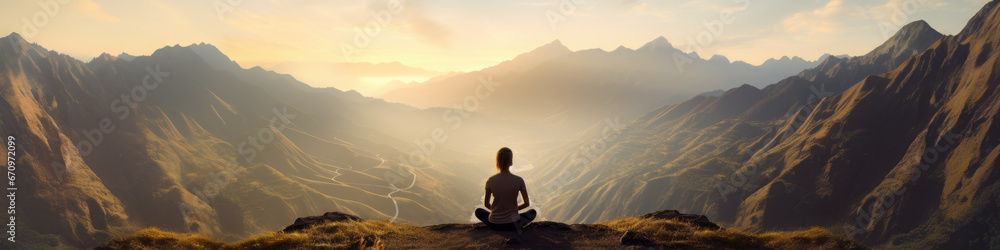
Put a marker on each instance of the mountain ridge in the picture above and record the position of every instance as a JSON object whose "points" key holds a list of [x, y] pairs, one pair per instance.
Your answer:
{"points": [[786, 96], [843, 139], [201, 147], [576, 89]]}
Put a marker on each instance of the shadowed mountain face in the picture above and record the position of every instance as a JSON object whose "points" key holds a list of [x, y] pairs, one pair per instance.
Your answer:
{"points": [[905, 157], [188, 141], [569, 91]]}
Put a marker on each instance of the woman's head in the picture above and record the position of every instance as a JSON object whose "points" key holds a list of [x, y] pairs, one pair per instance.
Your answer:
{"points": [[505, 158]]}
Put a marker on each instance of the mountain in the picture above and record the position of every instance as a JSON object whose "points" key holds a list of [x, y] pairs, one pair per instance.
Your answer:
{"points": [[568, 91], [656, 45], [836, 74], [468, 129], [661, 229], [895, 148], [698, 133], [914, 144], [531, 59], [186, 140]]}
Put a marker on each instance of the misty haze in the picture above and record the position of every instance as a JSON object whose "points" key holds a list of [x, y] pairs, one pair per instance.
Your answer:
{"points": [[553, 124]]}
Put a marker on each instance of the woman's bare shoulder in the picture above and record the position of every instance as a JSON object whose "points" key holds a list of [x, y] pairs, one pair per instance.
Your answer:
{"points": [[493, 178], [518, 177]]}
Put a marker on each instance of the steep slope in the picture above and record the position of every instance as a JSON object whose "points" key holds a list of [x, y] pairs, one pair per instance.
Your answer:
{"points": [[695, 134], [465, 127], [908, 157], [805, 150], [837, 74], [165, 140], [661, 156]]}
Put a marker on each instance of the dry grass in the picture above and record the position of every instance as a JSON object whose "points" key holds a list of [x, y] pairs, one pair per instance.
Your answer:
{"points": [[681, 235], [330, 235], [152, 238], [379, 234]]}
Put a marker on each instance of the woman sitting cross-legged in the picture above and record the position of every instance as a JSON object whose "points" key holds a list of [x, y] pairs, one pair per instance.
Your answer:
{"points": [[504, 186]]}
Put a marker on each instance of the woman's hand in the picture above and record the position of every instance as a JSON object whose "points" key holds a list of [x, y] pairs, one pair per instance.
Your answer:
{"points": [[486, 200], [524, 196]]}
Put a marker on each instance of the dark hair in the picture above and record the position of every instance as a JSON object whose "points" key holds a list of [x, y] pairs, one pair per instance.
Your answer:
{"points": [[505, 158]]}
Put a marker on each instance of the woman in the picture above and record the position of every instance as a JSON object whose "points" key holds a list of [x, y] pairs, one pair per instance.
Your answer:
{"points": [[503, 187]]}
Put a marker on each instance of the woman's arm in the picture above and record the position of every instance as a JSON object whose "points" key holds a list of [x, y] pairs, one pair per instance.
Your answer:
{"points": [[524, 196], [486, 200]]}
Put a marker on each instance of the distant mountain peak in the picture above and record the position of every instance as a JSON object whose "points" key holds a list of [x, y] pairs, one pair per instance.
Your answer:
{"points": [[106, 57], [556, 43], [657, 44], [532, 58], [915, 28], [910, 39], [784, 60], [694, 54], [205, 46], [14, 38], [214, 57], [126, 56], [918, 24], [621, 48], [824, 57], [14, 35], [746, 87], [719, 58], [554, 46]]}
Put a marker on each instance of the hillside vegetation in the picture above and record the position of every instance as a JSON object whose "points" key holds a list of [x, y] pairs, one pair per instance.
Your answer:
{"points": [[667, 228]]}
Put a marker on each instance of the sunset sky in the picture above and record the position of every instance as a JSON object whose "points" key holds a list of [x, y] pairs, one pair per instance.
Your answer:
{"points": [[461, 35]]}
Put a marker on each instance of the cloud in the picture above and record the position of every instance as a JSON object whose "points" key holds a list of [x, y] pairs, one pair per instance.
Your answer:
{"points": [[547, 3], [661, 13], [430, 31], [703, 6], [812, 25], [823, 20], [894, 9], [93, 10]]}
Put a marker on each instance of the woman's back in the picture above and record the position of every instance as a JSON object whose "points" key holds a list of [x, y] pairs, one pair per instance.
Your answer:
{"points": [[501, 197], [505, 187]]}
